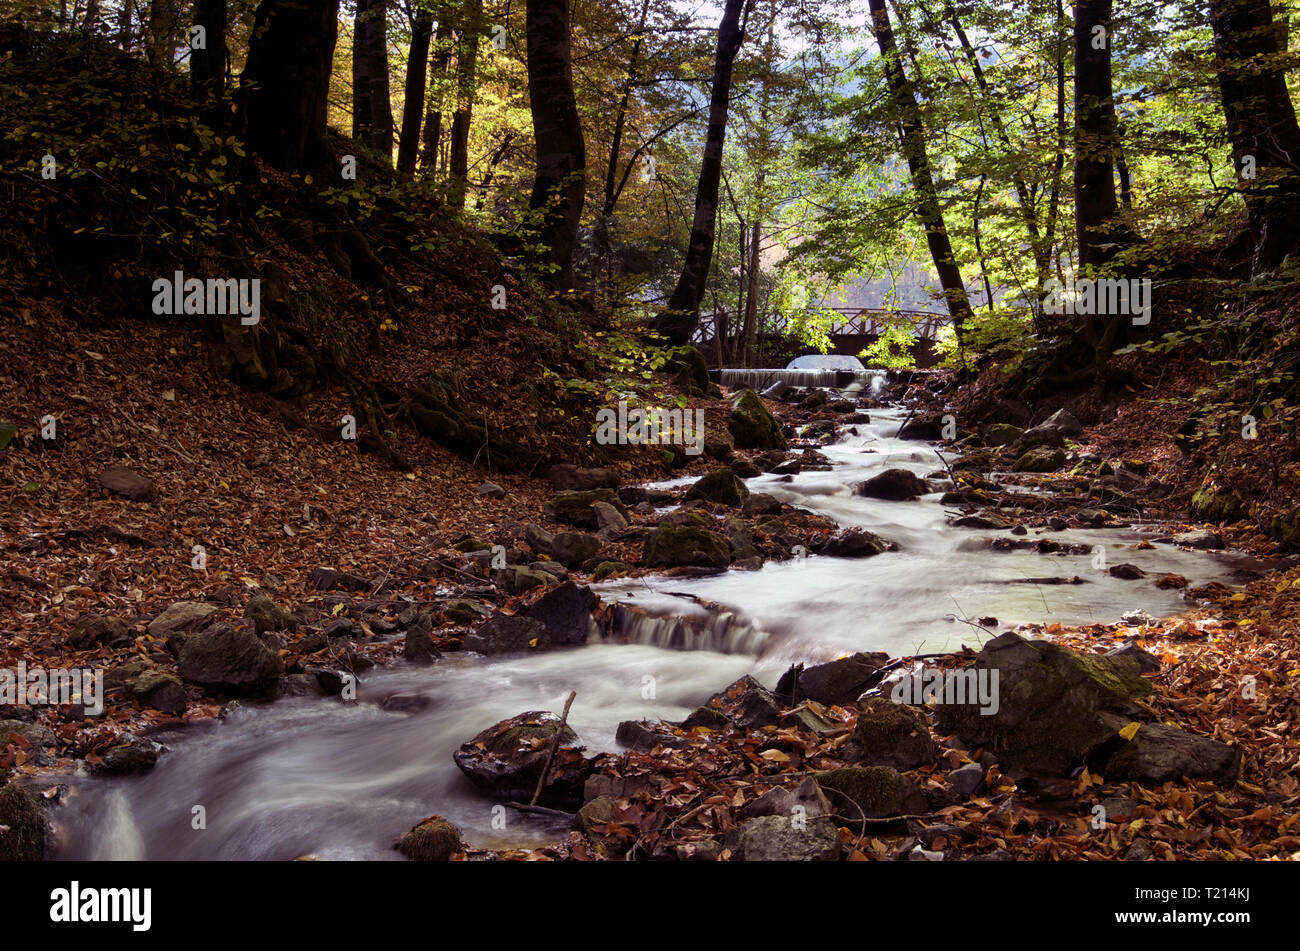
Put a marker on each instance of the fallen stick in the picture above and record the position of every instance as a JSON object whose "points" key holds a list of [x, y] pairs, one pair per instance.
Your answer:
{"points": [[555, 745]]}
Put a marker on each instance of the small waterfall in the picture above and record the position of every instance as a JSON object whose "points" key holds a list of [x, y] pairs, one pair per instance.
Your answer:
{"points": [[120, 839], [760, 379], [722, 632]]}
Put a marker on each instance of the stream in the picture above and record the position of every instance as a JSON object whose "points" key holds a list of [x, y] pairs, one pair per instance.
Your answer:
{"points": [[312, 776]]}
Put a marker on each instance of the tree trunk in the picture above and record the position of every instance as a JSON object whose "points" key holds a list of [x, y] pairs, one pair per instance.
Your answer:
{"points": [[559, 187], [1261, 120], [417, 66], [1095, 207], [208, 66], [470, 36], [372, 119], [125, 31], [438, 61], [161, 34], [285, 83], [928, 209], [677, 322]]}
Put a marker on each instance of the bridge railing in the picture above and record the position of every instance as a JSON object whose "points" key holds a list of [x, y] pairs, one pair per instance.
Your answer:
{"points": [[863, 321]]}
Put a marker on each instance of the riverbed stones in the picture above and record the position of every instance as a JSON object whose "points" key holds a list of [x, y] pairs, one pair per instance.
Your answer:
{"points": [[1051, 703], [229, 657], [1002, 434], [508, 634], [577, 508], [752, 424], [506, 761], [928, 428], [181, 616], [782, 839], [890, 734], [1126, 572], [760, 503], [835, 683], [566, 614], [417, 642], [966, 779], [432, 840], [721, 486], [1158, 753], [539, 539], [645, 735], [571, 549], [1201, 539], [779, 801], [674, 546], [894, 485], [98, 631], [516, 579], [609, 519], [160, 689], [1052, 431], [266, 615], [878, 792], [1040, 459], [130, 754], [853, 543]]}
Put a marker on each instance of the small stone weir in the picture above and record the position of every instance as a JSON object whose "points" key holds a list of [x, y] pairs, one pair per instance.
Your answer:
{"points": [[760, 379]]}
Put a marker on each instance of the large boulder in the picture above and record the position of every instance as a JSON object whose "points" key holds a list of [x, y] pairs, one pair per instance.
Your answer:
{"points": [[895, 485], [181, 616], [752, 425], [928, 428], [1159, 754], [787, 839], [267, 615], [1050, 703], [1040, 459], [890, 734], [721, 486], [566, 614], [516, 579], [835, 683], [674, 546], [506, 761], [578, 508], [508, 634], [230, 657], [878, 792], [1052, 431]]}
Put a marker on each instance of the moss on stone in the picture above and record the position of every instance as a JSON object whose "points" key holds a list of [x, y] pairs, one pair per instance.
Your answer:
{"points": [[433, 840]]}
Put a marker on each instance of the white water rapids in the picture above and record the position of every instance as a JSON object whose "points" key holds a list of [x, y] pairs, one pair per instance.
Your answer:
{"points": [[315, 776]]}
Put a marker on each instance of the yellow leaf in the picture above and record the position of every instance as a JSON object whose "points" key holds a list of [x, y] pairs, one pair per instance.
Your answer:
{"points": [[1130, 731], [532, 642]]}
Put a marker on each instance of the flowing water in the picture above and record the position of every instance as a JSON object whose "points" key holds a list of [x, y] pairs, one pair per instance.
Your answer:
{"points": [[316, 776]]}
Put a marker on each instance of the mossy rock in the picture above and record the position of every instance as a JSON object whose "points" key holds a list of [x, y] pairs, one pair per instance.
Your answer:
{"points": [[890, 734], [469, 543], [7, 433], [674, 546], [1213, 503], [709, 717], [24, 836], [266, 615], [97, 631], [433, 840], [752, 425], [721, 486], [578, 508], [610, 569], [1003, 434], [1040, 459], [879, 791], [690, 370]]}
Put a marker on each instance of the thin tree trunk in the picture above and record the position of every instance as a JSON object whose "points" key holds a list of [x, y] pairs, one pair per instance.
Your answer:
{"points": [[208, 65], [372, 120], [286, 80], [417, 68], [928, 209], [471, 34], [559, 188], [1261, 120], [438, 61], [677, 322]]}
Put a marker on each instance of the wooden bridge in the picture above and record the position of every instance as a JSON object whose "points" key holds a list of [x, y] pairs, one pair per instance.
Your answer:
{"points": [[855, 329]]}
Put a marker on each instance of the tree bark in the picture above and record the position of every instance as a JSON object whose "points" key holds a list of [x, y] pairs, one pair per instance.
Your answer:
{"points": [[928, 209], [679, 319], [1261, 121], [417, 66], [438, 61], [559, 186], [372, 118], [470, 36], [285, 84], [1095, 207], [208, 66]]}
